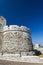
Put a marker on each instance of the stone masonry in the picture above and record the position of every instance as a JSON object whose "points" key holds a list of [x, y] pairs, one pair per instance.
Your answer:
{"points": [[15, 39]]}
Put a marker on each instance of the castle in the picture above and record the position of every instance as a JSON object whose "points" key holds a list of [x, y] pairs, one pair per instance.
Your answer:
{"points": [[15, 39], [16, 43]]}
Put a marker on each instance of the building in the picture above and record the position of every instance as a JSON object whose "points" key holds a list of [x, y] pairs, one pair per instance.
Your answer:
{"points": [[2, 24], [15, 38], [38, 47]]}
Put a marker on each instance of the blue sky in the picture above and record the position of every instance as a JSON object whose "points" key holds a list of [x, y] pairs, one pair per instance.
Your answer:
{"points": [[25, 12]]}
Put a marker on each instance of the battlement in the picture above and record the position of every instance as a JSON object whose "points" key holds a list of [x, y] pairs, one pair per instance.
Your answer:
{"points": [[16, 28]]}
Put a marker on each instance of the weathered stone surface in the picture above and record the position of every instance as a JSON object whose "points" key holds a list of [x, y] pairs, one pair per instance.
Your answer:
{"points": [[2, 23], [16, 39]]}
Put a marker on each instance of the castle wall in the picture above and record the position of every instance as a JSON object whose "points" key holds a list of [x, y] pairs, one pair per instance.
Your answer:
{"points": [[2, 24], [16, 39], [2, 21]]}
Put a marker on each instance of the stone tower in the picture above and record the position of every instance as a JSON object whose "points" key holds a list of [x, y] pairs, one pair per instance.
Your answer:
{"points": [[17, 39], [2, 24]]}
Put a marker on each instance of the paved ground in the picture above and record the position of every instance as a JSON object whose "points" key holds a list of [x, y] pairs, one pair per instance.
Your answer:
{"points": [[4, 62]]}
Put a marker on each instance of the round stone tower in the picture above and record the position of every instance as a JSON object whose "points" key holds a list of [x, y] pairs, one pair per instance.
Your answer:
{"points": [[17, 39]]}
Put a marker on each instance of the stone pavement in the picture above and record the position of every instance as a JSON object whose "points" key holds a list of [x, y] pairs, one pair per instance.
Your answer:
{"points": [[4, 62]]}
